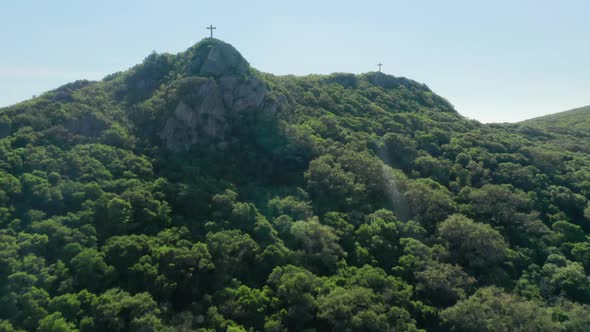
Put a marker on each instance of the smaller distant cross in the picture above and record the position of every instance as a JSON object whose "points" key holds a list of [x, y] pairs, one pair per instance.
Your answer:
{"points": [[211, 27], [379, 64]]}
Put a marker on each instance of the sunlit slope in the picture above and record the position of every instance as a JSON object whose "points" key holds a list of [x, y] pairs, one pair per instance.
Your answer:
{"points": [[574, 122]]}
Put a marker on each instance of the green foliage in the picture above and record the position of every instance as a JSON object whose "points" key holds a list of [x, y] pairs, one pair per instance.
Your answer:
{"points": [[90, 271], [317, 246], [444, 284], [380, 235], [295, 289], [117, 310], [564, 276], [355, 309], [490, 309], [55, 323], [341, 202], [473, 245], [572, 125]]}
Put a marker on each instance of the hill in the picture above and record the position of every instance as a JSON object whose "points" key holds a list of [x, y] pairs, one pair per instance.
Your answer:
{"points": [[570, 129], [575, 121], [193, 192]]}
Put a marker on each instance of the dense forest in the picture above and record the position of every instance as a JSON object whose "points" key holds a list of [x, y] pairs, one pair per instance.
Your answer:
{"points": [[570, 128], [195, 193]]}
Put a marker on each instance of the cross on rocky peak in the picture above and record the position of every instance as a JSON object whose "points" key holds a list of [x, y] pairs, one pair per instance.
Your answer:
{"points": [[379, 64], [211, 27]]}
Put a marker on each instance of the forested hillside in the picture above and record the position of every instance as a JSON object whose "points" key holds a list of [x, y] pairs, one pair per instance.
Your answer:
{"points": [[570, 129], [194, 193], [576, 121]]}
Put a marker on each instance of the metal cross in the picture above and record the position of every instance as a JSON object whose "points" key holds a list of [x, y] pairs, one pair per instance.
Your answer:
{"points": [[379, 64], [211, 27]]}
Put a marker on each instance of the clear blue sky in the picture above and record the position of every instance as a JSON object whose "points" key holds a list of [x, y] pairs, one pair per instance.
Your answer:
{"points": [[495, 61]]}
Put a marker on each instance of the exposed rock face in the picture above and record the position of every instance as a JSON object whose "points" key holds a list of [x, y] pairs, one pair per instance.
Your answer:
{"points": [[240, 94], [202, 113], [193, 121], [216, 58]]}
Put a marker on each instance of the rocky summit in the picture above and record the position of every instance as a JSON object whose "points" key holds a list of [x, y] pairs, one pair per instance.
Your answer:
{"points": [[225, 85]]}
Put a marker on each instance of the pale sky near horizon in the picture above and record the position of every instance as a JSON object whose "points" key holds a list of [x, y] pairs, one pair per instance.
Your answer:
{"points": [[495, 61]]}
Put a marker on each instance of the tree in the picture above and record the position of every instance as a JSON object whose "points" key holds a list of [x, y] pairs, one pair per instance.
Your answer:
{"points": [[55, 323], [122, 252], [356, 309], [437, 169], [581, 252], [566, 277], [379, 234], [291, 206], [474, 245], [393, 290], [498, 204], [568, 232], [147, 212], [90, 270], [117, 310], [113, 215], [331, 187], [246, 305], [568, 201], [233, 253], [366, 299], [443, 284], [491, 309], [31, 307], [68, 305], [440, 205], [400, 150], [574, 316], [295, 289], [183, 273], [316, 245], [5, 326], [415, 256]]}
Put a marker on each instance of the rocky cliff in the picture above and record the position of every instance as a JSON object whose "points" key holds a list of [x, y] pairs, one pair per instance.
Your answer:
{"points": [[221, 83]]}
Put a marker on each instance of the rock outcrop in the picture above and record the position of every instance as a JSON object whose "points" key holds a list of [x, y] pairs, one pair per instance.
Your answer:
{"points": [[215, 58], [220, 85]]}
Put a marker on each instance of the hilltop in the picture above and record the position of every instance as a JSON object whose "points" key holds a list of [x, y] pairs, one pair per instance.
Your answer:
{"points": [[575, 121], [570, 129], [194, 192]]}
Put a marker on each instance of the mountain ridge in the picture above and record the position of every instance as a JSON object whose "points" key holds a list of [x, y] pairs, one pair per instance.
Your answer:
{"points": [[227, 73]]}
